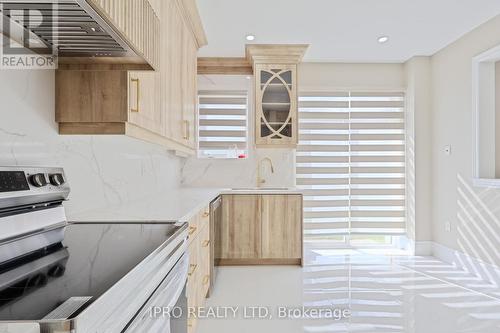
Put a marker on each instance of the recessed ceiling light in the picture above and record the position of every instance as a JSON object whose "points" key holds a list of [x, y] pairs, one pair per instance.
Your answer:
{"points": [[250, 37], [383, 39], [249, 77]]}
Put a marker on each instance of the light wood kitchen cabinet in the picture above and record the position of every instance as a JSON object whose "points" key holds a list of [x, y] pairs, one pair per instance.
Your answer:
{"points": [[276, 105], [143, 106], [199, 263], [260, 229], [241, 227], [179, 66], [275, 77], [109, 102], [189, 91], [157, 106], [281, 226], [137, 23]]}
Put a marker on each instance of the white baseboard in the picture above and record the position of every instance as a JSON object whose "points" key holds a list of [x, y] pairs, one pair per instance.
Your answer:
{"points": [[477, 267], [423, 248]]}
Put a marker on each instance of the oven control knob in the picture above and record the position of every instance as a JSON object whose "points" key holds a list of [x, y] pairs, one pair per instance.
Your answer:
{"points": [[38, 180], [56, 271], [37, 281], [56, 179]]}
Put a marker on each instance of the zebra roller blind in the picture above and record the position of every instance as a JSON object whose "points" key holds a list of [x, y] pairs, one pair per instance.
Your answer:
{"points": [[351, 163], [222, 124]]}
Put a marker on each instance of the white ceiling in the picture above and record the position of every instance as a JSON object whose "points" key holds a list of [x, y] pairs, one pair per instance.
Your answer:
{"points": [[342, 30]]}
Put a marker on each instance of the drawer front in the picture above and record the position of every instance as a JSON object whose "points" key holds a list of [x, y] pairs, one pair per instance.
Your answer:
{"points": [[194, 227], [193, 272], [204, 217], [204, 256], [197, 272]]}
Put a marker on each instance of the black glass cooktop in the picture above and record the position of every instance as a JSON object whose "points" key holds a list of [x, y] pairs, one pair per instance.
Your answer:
{"points": [[90, 260]]}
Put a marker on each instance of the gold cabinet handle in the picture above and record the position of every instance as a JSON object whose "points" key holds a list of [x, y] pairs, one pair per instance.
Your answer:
{"points": [[205, 243], [206, 279], [137, 97], [186, 130], [192, 230], [206, 214], [193, 269]]}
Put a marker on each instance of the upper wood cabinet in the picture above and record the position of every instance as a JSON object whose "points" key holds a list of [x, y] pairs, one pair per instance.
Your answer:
{"points": [[157, 106], [276, 105], [137, 23], [179, 67], [275, 75], [143, 105]]}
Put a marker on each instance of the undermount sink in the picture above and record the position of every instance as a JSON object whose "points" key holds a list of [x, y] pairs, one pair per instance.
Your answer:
{"points": [[260, 189]]}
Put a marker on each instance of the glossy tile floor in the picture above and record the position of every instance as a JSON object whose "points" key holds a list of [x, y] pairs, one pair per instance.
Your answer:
{"points": [[383, 294]]}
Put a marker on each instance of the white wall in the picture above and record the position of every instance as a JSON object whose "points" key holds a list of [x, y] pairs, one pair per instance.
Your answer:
{"points": [[101, 170], [474, 213], [340, 76]]}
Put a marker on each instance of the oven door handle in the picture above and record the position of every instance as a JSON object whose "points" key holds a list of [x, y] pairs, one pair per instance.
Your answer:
{"points": [[151, 317]]}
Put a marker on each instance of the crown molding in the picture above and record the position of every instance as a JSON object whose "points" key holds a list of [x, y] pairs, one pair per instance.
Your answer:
{"points": [[275, 53]]}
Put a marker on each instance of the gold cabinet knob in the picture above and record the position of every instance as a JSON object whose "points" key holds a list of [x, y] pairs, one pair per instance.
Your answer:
{"points": [[193, 269], [192, 230]]}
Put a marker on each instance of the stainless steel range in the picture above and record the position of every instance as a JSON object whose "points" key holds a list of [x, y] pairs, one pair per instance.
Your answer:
{"points": [[83, 278]]}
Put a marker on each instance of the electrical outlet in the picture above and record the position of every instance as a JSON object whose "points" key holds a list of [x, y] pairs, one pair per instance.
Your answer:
{"points": [[447, 226]]}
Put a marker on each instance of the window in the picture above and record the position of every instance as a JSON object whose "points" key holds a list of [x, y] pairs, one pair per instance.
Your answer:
{"points": [[351, 164], [222, 124]]}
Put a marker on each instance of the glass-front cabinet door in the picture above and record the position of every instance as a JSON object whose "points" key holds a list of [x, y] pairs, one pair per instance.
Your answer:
{"points": [[276, 105]]}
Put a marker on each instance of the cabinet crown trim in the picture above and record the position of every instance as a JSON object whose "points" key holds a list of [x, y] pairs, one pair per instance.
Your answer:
{"points": [[191, 15], [224, 65], [275, 53]]}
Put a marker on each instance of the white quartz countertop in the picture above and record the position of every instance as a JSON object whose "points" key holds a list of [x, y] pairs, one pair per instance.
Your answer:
{"points": [[177, 205]]}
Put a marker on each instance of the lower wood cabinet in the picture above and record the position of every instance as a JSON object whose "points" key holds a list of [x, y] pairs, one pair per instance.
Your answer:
{"points": [[260, 229], [281, 223], [199, 264], [241, 228]]}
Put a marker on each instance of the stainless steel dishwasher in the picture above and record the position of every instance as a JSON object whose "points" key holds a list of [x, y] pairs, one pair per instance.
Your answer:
{"points": [[215, 225]]}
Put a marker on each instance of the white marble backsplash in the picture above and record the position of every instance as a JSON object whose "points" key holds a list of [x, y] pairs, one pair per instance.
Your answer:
{"points": [[229, 173], [101, 170]]}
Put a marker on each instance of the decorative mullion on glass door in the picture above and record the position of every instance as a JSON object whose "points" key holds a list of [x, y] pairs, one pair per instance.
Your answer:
{"points": [[276, 107]]}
